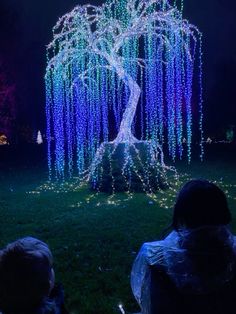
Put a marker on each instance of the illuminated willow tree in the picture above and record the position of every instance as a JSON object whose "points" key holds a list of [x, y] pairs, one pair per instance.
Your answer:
{"points": [[119, 72]]}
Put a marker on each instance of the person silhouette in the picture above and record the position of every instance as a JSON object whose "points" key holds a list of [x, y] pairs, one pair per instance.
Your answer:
{"points": [[193, 269], [27, 279]]}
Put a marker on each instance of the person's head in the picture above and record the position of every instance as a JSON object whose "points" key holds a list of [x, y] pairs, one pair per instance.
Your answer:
{"points": [[200, 203], [26, 275]]}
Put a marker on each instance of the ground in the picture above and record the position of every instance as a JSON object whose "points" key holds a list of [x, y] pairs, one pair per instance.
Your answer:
{"points": [[95, 237]]}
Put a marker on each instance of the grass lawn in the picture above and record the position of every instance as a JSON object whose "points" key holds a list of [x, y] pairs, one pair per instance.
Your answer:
{"points": [[95, 237]]}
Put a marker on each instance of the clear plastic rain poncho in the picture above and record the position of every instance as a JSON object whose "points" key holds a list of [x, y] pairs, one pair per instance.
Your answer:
{"points": [[180, 255]]}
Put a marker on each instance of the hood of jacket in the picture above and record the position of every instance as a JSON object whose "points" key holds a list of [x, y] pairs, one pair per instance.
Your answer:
{"points": [[200, 260]]}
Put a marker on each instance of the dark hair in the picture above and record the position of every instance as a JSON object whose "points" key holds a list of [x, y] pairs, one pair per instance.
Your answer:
{"points": [[200, 203], [25, 270]]}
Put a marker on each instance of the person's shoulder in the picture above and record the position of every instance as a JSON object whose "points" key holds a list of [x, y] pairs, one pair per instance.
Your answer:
{"points": [[150, 249], [154, 244], [150, 245]]}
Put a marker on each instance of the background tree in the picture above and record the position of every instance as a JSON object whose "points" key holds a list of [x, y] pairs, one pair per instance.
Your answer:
{"points": [[7, 105]]}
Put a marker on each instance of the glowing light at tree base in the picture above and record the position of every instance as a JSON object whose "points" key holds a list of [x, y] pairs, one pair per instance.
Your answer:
{"points": [[129, 167], [119, 83]]}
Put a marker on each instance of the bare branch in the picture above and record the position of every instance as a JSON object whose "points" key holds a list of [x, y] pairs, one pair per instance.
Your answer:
{"points": [[104, 35]]}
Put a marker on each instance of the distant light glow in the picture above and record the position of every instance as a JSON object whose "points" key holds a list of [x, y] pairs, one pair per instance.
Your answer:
{"points": [[120, 306], [39, 139], [3, 140], [106, 64]]}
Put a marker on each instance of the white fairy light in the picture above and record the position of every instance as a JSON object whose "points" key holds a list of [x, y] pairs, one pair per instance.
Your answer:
{"points": [[121, 308], [93, 73]]}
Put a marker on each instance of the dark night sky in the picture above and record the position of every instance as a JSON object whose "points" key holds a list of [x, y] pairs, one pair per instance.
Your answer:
{"points": [[25, 30]]}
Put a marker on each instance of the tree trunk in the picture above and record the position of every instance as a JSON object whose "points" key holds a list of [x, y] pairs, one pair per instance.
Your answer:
{"points": [[125, 132]]}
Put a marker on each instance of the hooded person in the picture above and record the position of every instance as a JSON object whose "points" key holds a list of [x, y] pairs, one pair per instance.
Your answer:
{"points": [[195, 263]]}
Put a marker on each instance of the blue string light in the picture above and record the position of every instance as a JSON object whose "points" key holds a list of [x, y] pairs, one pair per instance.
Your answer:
{"points": [[118, 72]]}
